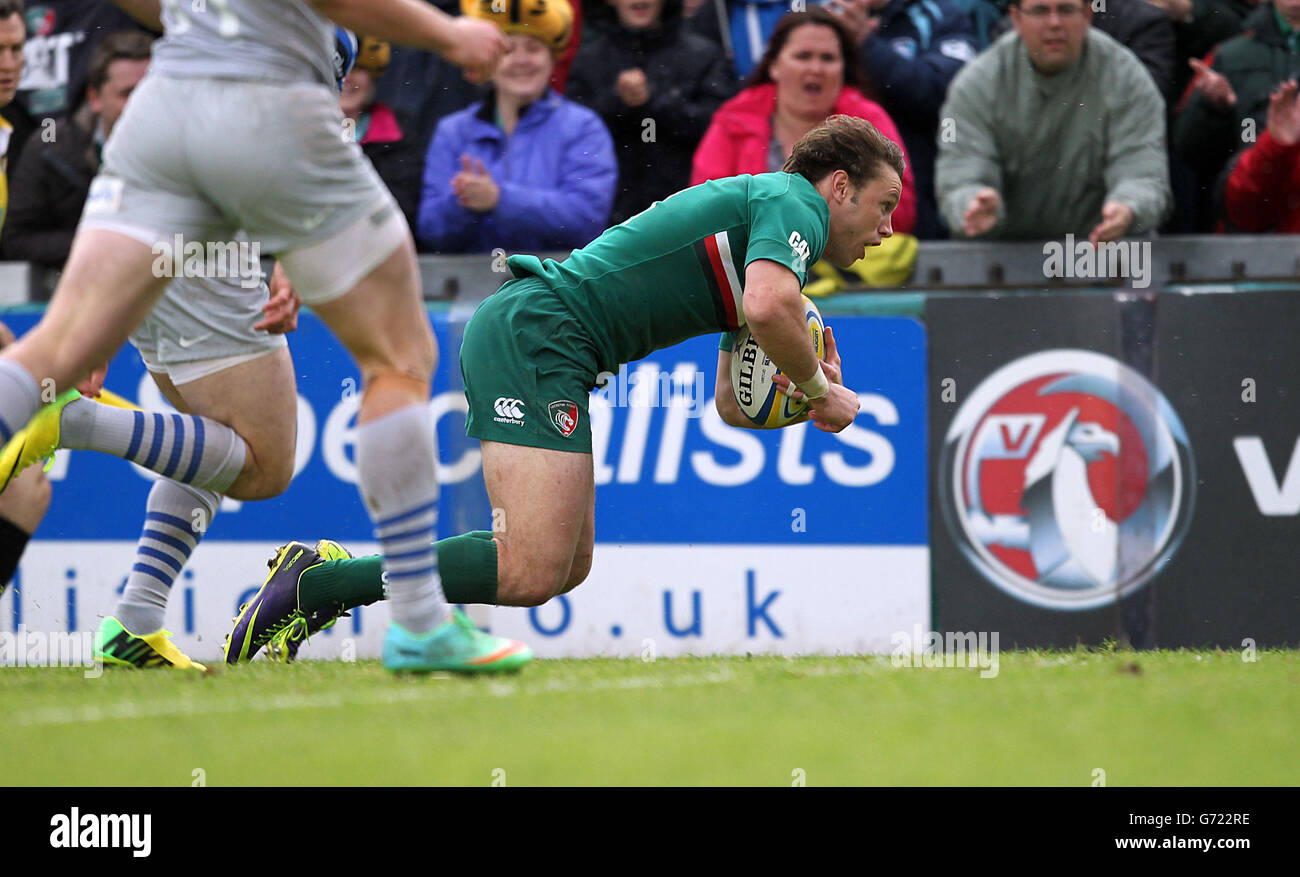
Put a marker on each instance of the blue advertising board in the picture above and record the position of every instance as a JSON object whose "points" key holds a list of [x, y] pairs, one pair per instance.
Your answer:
{"points": [[682, 500], [667, 470]]}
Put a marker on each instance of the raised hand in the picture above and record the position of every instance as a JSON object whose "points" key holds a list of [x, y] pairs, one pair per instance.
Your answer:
{"points": [[474, 187], [477, 46], [1284, 114], [281, 308], [1213, 85]]}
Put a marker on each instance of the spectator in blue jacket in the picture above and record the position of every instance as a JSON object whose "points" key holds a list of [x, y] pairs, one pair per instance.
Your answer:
{"points": [[911, 50], [523, 169]]}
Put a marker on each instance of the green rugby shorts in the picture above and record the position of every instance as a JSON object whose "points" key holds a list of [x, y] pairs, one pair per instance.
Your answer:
{"points": [[528, 367]]}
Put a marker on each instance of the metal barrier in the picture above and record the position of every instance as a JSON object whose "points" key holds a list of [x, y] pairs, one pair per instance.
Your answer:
{"points": [[940, 265]]}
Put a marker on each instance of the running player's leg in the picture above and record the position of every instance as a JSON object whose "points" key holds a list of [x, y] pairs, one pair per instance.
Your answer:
{"points": [[228, 437], [235, 430], [230, 382], [106, 289], [382, 323], [312, 199], [142, 202], [258, 400], [341, 239], [255, 399]]}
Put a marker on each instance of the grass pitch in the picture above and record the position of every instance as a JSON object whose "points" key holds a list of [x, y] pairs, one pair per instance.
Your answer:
{"points": [[1048, 718]]}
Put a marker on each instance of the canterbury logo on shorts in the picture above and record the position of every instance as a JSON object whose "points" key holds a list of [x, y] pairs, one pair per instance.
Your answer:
{"points": [[509, 411]]}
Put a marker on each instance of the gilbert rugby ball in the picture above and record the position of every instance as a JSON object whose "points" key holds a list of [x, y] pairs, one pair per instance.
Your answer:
{"points": [[752, 372]]}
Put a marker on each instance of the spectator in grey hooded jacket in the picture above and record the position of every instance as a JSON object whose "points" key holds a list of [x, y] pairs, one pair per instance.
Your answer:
{"points": [[1056, 129]]}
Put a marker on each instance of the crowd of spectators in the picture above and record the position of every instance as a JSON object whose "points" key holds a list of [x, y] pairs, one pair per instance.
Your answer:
{"points": [[1020, 119]]}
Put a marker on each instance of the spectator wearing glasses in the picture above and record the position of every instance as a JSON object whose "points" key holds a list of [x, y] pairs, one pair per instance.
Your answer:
{"points": [[1057, 129]]}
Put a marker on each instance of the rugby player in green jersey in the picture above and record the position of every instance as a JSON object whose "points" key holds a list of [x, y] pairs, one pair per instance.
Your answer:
{"points": [[708, 259]]}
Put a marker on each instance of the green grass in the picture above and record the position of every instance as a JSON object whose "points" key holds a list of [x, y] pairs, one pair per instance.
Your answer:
{"points": [[1049, 718]]}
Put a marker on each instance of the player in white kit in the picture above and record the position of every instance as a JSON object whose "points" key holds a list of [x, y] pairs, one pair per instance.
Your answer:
{"points": [[215, 347], [237, 127]]}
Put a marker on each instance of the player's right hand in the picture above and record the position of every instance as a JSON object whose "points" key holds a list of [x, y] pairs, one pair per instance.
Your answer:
{"points": [[477, 46], [830, 367], [835, 410]]}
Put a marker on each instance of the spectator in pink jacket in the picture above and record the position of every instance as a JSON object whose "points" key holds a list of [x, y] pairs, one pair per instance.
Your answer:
{"points": [[809, 72]]}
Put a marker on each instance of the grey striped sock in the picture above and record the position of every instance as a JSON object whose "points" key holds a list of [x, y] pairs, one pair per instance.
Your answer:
{"points": [[176, 517], [183, 447]]}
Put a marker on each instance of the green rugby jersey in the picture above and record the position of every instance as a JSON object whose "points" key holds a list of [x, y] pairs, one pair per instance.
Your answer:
{"points": [[677, 269]]}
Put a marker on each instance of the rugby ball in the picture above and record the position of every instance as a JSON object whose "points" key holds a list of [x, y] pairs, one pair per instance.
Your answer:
{"points": [[752, 373]]}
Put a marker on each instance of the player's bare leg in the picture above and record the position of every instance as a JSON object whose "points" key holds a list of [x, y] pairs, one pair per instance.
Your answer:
{"points": [[106, 290], [383, 324], [544, 515], [582, 555], [257, 399], [545, 502]]}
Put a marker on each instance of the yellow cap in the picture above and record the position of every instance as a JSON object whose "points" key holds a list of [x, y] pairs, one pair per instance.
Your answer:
{"points": [[373, 54], [550, 21]]}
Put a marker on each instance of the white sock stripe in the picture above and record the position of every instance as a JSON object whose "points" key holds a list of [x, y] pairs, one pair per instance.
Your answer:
{"points": [[422, 524], [407, 546], [406, 564], [185, 534], [172, 551], [410, 542], [396, 463], [168, 533], [401, 553]]}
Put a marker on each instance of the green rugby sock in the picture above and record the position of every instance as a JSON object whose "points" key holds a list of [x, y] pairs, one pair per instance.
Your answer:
{"points": [[467, 564], [347, 583]]}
